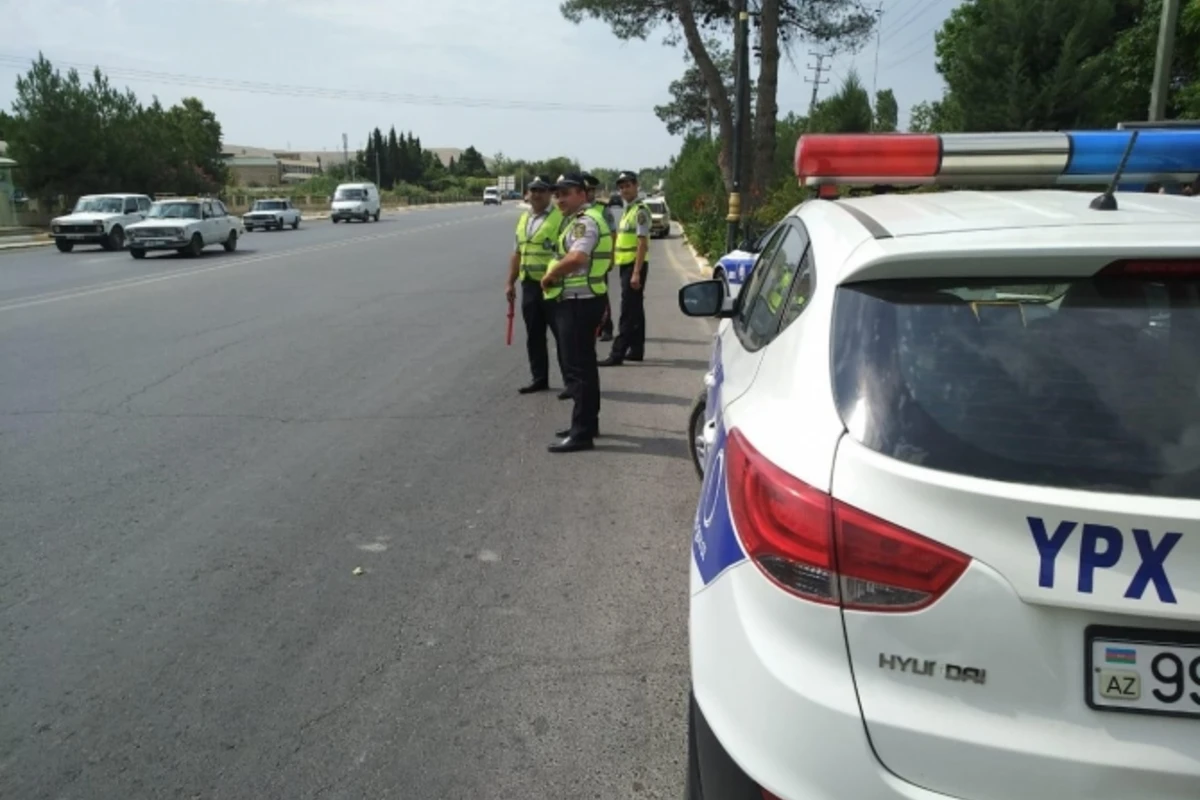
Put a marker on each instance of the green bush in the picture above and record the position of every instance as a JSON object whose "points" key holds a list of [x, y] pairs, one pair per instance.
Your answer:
{"points": [[696, 193]]}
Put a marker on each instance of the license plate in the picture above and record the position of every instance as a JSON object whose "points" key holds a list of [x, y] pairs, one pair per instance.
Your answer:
{"points": [[155, 242], [76, 235], [1143, 671]]}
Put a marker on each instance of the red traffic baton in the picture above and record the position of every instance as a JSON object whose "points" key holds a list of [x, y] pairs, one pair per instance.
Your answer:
{"points": [[508, 333]]}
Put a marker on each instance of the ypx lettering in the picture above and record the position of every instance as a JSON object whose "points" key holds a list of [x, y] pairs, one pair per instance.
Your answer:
{"points": [[1101, 547]]}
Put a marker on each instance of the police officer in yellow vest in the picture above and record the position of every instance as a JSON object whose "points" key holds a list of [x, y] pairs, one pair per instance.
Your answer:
{"points": [[632, 248], [605, 331], [537, 238], [575, 282]]}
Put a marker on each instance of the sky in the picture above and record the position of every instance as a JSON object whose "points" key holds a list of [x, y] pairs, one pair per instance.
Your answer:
{"points": [[504, 76]]}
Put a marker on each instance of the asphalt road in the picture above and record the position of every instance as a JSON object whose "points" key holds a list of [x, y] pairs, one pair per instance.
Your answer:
{"points": [[197, 454]]}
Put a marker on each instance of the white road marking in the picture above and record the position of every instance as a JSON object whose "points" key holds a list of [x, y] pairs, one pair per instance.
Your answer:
{"points": [[233, 261]]}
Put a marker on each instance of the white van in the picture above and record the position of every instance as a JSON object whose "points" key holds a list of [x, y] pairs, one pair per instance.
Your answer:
{"points": [[491, 195], [355, 201]]}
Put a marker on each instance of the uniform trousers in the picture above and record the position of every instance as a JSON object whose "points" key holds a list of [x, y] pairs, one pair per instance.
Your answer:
{"points": [[538, 314], [577, 321], [630, 341]]}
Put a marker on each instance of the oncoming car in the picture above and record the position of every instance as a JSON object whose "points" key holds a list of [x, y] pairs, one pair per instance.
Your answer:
{"points": [[273, 212], [660, 217], [948, 537]]}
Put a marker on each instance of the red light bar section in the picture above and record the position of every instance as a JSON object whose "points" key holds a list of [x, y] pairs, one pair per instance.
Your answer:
{"points": [[868, 155], [1153, 269]]}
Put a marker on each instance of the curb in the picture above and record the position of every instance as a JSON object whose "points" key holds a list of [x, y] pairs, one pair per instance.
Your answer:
{"points": [[702, 265], [25, 244]]}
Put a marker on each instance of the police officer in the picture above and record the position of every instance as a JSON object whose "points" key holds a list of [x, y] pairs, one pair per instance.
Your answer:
{"points": [[605, 332], [632, 248], [537, 238], [575, 282]]}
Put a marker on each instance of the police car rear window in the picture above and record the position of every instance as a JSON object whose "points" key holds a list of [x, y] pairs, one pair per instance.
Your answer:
{"points": [[1087, 384]]}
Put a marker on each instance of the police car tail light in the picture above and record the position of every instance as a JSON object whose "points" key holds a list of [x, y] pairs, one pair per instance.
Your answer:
{"points": [[825, 551], [884, 567], [784, 524]]}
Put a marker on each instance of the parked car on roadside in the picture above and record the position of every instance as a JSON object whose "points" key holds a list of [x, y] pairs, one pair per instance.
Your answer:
{"points": [[733, 269], [274, 212], [186, 225], [660, 217], [101, 219], [491, 196]]}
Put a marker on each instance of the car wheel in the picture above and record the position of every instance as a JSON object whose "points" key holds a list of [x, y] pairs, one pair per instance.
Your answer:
{"points": [[137, 252], [295, 223], [695, 432], [115, 239], [230, 244], [377, 216], [334, 220], [195, 246], [65, 247]]}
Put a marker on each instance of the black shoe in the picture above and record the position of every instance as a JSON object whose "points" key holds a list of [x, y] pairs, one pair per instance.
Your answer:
{"points": [[566, 432], [634, 358], [610, 362], [564, 395], [536, 386], [571, 445]]}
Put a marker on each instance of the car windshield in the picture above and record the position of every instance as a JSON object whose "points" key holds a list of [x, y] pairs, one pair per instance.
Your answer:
{"points": [[1084, 384], [350, 194], [100, 205], [175, 211], [490, 191], [656, 207], [269, 205]]}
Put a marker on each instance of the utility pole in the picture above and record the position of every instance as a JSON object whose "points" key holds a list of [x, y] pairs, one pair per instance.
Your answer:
{"points": [[741, 49], [875, 74], [1163, 60], [346, 153], [819, 67]]}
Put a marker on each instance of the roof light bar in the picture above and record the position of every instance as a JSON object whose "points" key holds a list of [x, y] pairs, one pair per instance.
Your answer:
{"points": [[1047, 159]]}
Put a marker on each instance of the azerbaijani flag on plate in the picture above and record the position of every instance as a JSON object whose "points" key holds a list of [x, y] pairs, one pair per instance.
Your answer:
{"points": [[1120, 655]]}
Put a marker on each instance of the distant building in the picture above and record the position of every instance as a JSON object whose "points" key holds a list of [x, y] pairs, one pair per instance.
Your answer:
{"points": [[256, 166], [8, 211]]}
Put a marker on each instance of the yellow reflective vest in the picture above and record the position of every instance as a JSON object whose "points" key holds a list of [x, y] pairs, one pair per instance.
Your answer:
{"points": [[537, 251], [586, 281], [627, 235]]}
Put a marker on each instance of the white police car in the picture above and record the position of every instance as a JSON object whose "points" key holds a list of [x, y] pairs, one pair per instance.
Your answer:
{"points": [[948, 540], [734, 268]]}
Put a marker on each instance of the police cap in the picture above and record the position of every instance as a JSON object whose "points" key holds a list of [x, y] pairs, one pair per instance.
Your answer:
{"points": [[569, 179], [590, 180], [627, 177], [541, 182]]}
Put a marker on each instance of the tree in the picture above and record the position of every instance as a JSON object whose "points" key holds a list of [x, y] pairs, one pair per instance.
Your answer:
{"points": [[847, 111], [1129, 64], [690, 110], [471, 164], [73, 138], [1018, 65], [780, 24], [6, 125], [887, 112]]}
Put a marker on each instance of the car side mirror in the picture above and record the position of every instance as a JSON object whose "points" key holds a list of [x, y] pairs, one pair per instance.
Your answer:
{"points": [[703, 299]]}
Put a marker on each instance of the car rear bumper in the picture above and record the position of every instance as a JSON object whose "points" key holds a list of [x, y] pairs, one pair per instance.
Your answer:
{"points": [[786, 714], [349, 214]]}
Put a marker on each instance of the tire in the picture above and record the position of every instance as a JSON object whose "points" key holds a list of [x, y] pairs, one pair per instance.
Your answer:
{"points": [[137, 253], [377, 216], [296, 223], [115, 240], [64, 247], [230, 244], [335, 220], [692, 789], [695, 432], [195, 246]]}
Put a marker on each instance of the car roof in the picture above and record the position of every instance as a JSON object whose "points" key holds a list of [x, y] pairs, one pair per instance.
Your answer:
{"points": [[111, 194], [859, 234]]}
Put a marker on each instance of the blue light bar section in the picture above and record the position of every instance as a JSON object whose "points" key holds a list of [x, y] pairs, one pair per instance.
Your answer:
{"points": [[1156, 152]]}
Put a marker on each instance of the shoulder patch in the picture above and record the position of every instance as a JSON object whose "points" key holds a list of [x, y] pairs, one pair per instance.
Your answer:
{"points": [[643, 218], [580, 230]]}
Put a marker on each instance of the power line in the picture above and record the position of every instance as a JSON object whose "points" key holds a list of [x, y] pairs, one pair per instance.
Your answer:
{"points": [[912, 55], [920, 12], [322, 92]]}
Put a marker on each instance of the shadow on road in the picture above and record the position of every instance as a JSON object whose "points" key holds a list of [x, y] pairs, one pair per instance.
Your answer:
{"points": [[694, 342], [680, 363], [669, 447], [648, 398]]}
